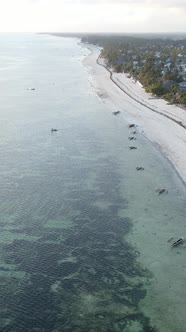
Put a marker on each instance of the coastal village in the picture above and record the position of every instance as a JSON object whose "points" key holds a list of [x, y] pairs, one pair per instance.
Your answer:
{"points": [[159, 65]]}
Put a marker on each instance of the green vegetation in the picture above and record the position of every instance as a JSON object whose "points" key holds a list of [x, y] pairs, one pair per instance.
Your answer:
{"points": [[159, 64]]}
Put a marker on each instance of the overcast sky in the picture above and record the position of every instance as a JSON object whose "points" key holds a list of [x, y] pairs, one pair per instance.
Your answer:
{"points": [[93, 15]]}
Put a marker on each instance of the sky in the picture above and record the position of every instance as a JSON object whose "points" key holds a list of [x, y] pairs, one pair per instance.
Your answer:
{"points": [[93, 16]]}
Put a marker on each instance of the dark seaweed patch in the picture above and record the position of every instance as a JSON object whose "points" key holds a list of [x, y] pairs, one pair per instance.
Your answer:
{"points": [[84, 278]]}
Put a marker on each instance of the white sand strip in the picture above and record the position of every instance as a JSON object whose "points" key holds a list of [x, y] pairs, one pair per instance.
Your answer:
{"points": [[135, 106], [164, 303]]}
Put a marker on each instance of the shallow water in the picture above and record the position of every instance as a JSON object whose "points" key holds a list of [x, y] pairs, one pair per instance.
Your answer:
{"points": [[83, 233]]}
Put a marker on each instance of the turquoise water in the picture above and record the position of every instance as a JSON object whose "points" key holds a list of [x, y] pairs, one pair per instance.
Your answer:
{"points": [[77, 220]]}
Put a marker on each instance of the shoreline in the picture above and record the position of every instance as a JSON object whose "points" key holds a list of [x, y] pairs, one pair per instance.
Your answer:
{"points": [[180, 123], [163, 124], [164, 301]]}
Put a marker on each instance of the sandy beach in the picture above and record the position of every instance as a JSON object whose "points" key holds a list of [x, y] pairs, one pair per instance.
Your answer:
{"points": [[161, 123], [165, 299]]}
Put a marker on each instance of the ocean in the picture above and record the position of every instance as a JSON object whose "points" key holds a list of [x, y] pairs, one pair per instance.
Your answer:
{"points": [[83, 233]]}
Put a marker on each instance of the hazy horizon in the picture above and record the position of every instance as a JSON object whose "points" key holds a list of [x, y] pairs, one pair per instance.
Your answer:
{"points": [[93, 16]]}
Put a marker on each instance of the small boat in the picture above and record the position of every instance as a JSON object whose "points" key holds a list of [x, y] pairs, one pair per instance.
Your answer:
{"points": [[177, 242], [53, 129], [116, 112]]}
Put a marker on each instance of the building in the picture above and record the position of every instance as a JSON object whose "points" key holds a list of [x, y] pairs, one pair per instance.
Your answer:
{"points": [[182, 85]]}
